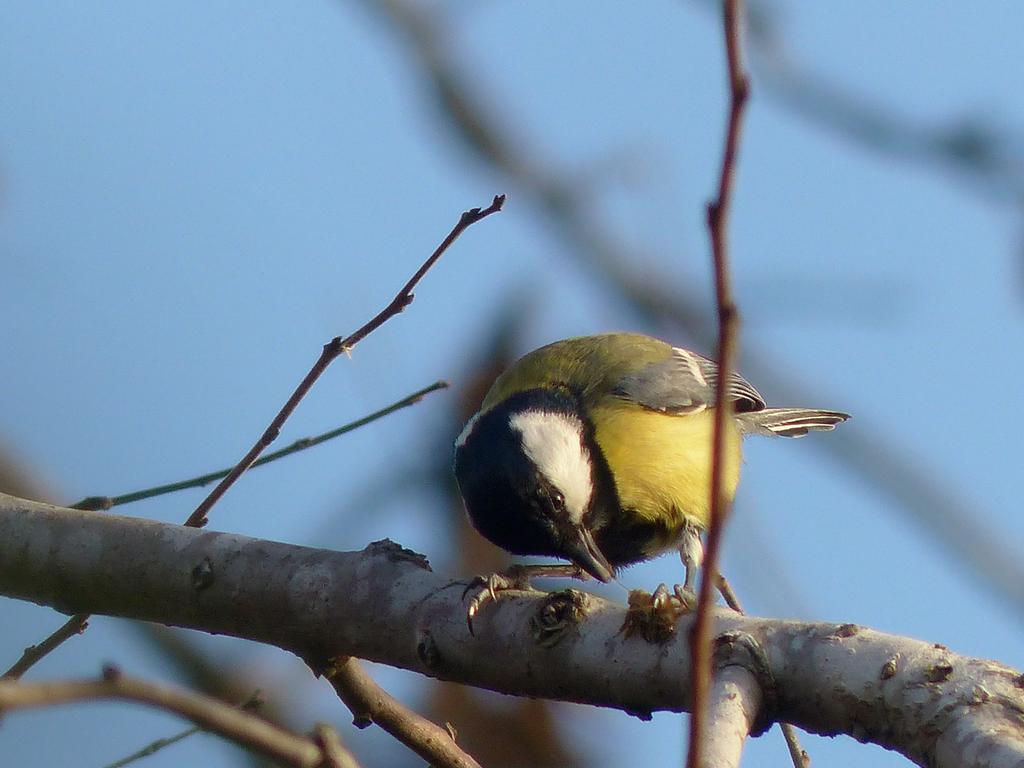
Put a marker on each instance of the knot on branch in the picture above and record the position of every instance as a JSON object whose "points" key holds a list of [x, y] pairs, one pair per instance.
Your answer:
{"points": [[559, 614], [938, 673], [428, 652], [202, 575], [890, 668], [741, 649], [396, 553], [844, 631]]}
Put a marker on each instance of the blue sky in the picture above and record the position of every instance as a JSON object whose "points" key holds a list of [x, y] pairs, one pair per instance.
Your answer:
{"points": [[196, 196]]}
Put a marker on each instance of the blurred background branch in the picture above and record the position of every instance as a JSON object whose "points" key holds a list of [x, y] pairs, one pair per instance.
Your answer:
{"points": [[971, 149], [234, 723]]}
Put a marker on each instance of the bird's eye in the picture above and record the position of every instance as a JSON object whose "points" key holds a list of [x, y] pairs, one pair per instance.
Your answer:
{"points": [[549, 497]]}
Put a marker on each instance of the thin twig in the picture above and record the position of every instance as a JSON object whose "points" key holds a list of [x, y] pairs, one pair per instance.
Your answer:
{"points": [[153, 747], [369, 703], [245, 729], [797, 753], [78, 623], [249, 705], [728, 321], [332, 350], [108, 502]]}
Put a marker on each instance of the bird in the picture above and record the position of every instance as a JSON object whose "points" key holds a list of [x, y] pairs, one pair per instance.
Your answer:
{"points": [[597, 450]]}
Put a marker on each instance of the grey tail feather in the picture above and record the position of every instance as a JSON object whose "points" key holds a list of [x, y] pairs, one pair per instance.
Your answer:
{"points": [[789, 422]]}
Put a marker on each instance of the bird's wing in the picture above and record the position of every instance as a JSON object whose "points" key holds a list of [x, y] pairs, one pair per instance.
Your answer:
{"points": [[685, 383]]}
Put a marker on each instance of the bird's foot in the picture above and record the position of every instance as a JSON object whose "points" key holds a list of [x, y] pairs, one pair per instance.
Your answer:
{"points": [[487, 589], [654, 616], [516, 578]]}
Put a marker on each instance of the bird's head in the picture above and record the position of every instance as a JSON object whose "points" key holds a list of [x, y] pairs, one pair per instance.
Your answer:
{"points": [[526, 469]]}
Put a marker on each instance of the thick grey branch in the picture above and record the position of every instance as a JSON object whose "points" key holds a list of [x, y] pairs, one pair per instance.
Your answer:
{"points": [[384, 604]]}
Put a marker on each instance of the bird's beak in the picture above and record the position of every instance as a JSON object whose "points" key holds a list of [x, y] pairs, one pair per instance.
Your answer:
{"points": [[582, 550]]}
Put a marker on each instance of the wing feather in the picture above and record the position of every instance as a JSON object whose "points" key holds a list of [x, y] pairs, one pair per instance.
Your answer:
{"points": [[685, 383]]}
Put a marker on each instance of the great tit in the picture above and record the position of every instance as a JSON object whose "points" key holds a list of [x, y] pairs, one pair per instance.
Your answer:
{"points": [[597, 450]]}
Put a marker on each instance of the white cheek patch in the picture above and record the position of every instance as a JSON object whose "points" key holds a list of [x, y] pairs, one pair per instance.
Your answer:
{"points": [[554, 443]]}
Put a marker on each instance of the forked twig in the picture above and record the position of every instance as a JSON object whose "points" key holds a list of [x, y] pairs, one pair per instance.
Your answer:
{"points": [[728, 320], [407, 726], [331, 351]]}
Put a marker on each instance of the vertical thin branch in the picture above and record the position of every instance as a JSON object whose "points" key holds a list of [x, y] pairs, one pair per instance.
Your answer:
{"points": [[728, 320]]}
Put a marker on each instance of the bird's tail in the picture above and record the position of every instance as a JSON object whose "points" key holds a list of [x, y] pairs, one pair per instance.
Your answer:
{"points": [[789, 422]]}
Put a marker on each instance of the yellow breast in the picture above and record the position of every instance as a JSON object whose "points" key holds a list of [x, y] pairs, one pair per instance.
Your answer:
{"points": [[662, 463]]}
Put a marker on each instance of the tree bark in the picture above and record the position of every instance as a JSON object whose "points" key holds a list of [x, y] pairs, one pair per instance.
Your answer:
{"points": [[386, 605]]}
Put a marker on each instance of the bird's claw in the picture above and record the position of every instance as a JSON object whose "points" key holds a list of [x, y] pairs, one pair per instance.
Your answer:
{"points": [[685, 596], [682, 599], [489, 589]]}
